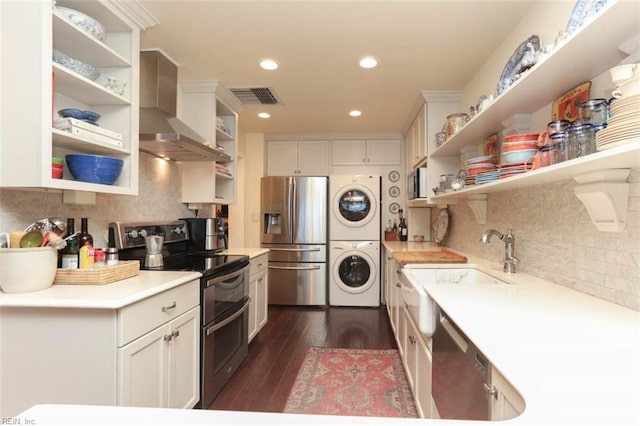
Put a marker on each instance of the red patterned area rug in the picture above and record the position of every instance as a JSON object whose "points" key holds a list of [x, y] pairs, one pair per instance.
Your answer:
{"points": [[352, 382]]}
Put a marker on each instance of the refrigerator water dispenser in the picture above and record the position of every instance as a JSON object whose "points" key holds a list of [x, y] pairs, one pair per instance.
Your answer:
{"points": [[272, 223]]}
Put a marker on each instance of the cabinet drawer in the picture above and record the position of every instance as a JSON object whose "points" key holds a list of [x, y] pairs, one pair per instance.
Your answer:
{"points": [[258, 264], [143, 316]]}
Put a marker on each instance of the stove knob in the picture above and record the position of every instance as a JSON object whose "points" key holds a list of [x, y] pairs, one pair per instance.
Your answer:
{"points": [[143, 233], [133, 234], [178, 230]]}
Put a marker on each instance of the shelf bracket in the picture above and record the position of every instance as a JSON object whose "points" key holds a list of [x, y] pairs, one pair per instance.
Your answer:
{"points": [[478, 205], [605, 194]]}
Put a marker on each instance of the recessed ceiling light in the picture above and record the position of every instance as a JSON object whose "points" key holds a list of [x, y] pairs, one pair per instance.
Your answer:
{"points": [[355, 113], [368, 62], [264, 115], [268, 64]]}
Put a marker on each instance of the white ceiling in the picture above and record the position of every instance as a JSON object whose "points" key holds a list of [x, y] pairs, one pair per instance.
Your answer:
{"points": [[421, 45]]}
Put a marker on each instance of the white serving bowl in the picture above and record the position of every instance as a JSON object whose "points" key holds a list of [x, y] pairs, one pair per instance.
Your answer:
{"points": [[622, 73], [84, 22], [628, 88], [23, 270], [75, 65]]}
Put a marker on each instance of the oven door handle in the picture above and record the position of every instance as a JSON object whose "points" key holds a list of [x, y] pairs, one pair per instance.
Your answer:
{"points": [[222, 278], [455, 335], [295, 268], [226, 321]]}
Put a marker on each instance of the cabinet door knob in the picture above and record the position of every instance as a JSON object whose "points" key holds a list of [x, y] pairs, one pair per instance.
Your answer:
{"points": [[168, 337], [175, 333]]}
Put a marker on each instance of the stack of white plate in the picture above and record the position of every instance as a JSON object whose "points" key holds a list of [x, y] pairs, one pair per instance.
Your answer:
{"points": [[624, 125]]}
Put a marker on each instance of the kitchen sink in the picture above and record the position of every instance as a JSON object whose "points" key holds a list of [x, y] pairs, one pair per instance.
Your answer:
{"points": [[417, 300]]}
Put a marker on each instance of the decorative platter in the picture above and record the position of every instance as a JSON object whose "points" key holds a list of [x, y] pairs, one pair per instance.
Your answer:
{"points": [[394, 208], [440, 226], [394, 191], [583, 10], [566, 106], [524, 57], [394, 176]]}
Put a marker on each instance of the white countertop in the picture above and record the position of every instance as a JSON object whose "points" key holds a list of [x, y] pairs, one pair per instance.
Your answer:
{"points": [[246, 251], [108, 296], [574, 358]]}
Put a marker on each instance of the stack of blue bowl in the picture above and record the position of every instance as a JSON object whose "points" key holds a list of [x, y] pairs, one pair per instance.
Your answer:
{"points": [[94, 168]]}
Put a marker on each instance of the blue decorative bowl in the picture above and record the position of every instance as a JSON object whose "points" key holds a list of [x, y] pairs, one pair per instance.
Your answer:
{"points": [[94, 168], [79, 114]]}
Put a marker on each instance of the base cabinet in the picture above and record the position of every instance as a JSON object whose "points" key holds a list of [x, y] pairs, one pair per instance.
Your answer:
{"points": [[507, 402], [258, 291], [143, 354], [160, 368], [417, 364]]}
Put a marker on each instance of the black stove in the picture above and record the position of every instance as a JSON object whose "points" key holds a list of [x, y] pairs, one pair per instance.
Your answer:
{"points": [[178, 251]]}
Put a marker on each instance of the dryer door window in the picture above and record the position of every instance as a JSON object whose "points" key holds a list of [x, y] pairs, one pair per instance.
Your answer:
{"points": [[355, 206], [354, 271]]}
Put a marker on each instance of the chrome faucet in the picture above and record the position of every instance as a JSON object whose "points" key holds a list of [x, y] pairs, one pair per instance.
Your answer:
{"points": [[510, 261]]}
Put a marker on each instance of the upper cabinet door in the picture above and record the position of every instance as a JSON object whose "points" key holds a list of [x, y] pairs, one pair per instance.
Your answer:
{"points": [[282, 158], [384, 152], [313, 158], [348, 152]]}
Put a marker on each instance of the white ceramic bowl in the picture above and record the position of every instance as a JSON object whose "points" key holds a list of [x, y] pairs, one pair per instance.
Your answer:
{"points": [[23, 270], [628, 88], [622, 73], [84, 22], [75, 65]]}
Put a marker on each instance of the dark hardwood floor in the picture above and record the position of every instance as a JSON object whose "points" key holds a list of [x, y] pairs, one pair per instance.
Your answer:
{"points": [[263, 382]]}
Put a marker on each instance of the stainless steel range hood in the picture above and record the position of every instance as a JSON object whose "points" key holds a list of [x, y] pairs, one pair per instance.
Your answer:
{"points": [[161, 133]]}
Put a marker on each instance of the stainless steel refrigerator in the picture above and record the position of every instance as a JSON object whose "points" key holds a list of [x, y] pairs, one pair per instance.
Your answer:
{"points": [[294, 228]]}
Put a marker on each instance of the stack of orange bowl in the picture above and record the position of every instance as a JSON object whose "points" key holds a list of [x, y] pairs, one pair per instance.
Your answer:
{"points": [[482, 164], [56, 167], [519, 148]]}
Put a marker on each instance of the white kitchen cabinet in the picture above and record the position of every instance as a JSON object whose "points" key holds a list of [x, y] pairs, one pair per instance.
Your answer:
{"points": [[370, 152], [102, 356], [160, 368], [258, 291], [506, 403], [297, 158], [392, 288], [601, 36], [420, 139], [212, 111], [34, 88], [415, 140], [417, 363]]}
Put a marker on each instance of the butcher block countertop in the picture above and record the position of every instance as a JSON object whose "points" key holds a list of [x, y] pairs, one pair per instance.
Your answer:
{"points": [[441, 256]]}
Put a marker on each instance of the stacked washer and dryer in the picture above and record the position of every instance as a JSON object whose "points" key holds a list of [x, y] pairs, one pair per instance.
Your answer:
{"points": [[354, 240]]}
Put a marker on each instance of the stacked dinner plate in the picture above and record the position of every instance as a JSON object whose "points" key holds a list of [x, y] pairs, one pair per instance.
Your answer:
{"points": [[624, 125], [481, 170], [511, 169]]}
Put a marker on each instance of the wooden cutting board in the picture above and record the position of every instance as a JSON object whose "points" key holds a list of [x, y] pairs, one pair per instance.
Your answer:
{"points": [[442, 256]]}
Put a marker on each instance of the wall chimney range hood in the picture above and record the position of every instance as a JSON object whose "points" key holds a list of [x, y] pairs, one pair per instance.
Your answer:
{"points": [[161, 133]]}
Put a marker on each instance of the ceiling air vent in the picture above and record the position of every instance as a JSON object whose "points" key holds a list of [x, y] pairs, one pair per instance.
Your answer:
{"points": [[256, 95]]}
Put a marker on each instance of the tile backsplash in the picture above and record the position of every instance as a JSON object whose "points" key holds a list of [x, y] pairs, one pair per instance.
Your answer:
{"points": [[158, 199], [556, 241]]}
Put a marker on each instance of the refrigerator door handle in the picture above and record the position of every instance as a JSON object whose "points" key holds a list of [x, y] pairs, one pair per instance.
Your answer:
{"points": [[293, 211], [294, 249], [296, 268]]}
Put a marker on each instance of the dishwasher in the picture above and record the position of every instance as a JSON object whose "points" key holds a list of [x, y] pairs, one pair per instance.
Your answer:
{"points": [[461, 374]]}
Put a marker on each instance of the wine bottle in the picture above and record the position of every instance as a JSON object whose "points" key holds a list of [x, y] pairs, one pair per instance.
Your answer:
{"points": [[69, 254], [402, 228], [85, 244]]}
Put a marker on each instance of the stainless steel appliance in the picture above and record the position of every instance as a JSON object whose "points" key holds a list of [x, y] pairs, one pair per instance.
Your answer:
{"points": [[294, 228], [461, 375], [206, 233], [417, 183], [224, 295], [153, 259]]}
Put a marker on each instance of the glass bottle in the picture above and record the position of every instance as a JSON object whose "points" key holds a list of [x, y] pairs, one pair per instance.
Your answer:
{"points": [[69, 254], [402, 228], [85, 244], [394, 230]]}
